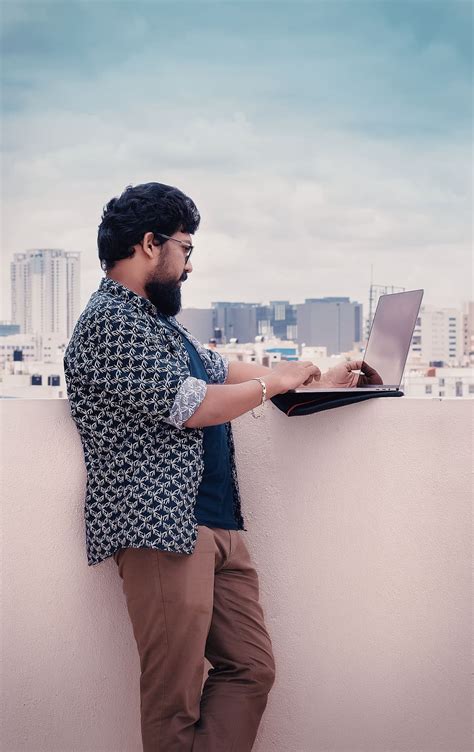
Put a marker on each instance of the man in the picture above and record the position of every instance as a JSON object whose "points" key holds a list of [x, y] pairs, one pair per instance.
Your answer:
{"points": [[153, 408]]}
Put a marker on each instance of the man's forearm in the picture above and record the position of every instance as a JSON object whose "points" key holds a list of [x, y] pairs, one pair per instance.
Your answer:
{"points": [[240, 372]]}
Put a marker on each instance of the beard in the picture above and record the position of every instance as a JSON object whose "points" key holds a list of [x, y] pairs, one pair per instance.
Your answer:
{"points": [[165, 296]]}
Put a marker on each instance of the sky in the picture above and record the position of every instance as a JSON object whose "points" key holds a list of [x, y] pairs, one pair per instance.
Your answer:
{"points": [[322, 141]]}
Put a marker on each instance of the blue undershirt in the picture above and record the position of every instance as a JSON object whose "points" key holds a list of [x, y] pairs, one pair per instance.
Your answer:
{"points": [[214, 502]]}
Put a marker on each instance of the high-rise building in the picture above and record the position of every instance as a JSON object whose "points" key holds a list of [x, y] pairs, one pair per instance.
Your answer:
{"points": [[283, 319], [245, 321], [239, 320], [468, 326], [199, 321], [45, 291], [332, 322], [439, 335]]}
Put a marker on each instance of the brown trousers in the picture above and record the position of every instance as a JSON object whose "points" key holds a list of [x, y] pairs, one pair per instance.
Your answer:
{"points": [[186, 606]]}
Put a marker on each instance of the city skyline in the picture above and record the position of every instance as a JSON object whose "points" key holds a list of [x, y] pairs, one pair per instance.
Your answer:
{"points": [[85, 294], [45, 294], [327, 141]]}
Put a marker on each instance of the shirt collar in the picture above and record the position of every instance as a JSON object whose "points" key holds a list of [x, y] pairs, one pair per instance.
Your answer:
{"points": [[109, 285]]}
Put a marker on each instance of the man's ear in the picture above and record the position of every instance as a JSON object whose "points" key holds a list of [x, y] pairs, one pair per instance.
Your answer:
{"points": [[147, 239], [147, 243]]}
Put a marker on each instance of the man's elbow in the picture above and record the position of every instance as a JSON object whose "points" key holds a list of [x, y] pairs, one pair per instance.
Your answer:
{"points": [[195, 420]]}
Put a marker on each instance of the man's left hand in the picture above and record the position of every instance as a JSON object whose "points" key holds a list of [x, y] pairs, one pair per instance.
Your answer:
{"points": [[342, 375]]}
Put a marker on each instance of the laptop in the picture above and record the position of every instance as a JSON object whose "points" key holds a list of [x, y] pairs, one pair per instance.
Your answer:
{"points": [[388, 343]]}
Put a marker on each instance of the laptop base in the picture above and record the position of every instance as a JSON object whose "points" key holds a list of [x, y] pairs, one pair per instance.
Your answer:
{"points": [[350, 389], [297, 403]]}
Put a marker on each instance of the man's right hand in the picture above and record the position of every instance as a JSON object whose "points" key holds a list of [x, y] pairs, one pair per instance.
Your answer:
{"points": [[224, 402], [291, 374]]}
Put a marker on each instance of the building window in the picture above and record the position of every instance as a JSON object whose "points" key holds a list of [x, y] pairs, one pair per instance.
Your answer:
{"points": [[441, 394], [441, 382], [471, 388], [428, 389], [458, 388], [280, 312]]}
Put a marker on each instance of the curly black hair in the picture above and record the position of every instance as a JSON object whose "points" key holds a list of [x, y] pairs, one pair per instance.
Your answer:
{"points": [[149, 207]]}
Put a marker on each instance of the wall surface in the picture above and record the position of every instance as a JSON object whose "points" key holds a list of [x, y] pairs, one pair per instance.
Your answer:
{"points": [[359, 526]]}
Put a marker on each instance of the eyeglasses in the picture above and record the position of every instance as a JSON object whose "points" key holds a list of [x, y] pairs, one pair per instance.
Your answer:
{"points": [[187, 246]]}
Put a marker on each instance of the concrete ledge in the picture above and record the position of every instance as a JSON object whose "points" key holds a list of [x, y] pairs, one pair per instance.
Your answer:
{"points": [[359, 526]]}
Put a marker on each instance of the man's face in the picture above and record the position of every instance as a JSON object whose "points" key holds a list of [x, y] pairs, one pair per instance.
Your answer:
{"points": [[163, 286]]}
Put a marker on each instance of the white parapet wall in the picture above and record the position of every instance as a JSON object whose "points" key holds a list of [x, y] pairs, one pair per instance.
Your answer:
{"points": [[359, 525]]}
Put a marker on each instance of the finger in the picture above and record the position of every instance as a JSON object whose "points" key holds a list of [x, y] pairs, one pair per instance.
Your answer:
{"points": [[368, 370], [353, 365]]}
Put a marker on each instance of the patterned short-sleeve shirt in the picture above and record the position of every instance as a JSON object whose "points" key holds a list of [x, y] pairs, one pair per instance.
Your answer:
{"points": [[130, 392]]}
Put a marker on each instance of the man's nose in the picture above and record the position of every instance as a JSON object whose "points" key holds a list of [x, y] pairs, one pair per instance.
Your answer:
{"points": [[188, 267]]}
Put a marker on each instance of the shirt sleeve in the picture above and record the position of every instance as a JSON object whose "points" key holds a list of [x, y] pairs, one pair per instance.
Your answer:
{"points": [[122, 359], [188, 398], [221, 366]]}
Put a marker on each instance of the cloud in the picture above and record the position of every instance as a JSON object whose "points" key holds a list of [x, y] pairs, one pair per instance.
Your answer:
{"points": [[310, 154]]}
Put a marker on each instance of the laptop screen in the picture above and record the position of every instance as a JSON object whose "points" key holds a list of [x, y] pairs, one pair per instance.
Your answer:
{"points": [[391, 333]]}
